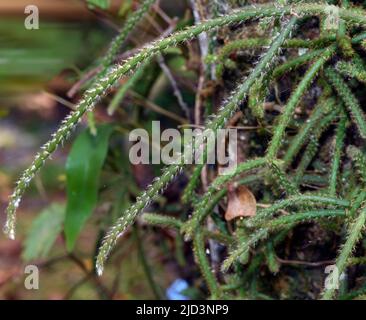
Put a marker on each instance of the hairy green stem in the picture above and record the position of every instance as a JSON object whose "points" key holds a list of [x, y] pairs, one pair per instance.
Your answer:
{"points": [[170, 222], [130, 24], [101, 86], [212, 126], [339, 143], [118, 97], [148, 271], [262, 42], [350, 69], [298, 200], [204, 265], [353, 236], [239, 94], [306, 129], [200, 212], [275, 224], [312, 147], [115, 47], [349, 100], [359, 160], [293, 102], [297, 62], [281, 179]]}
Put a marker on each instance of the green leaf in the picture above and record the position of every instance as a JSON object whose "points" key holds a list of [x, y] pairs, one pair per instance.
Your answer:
{"points": [[126, 7], [83, 168], [43, 233], [103, 4]]}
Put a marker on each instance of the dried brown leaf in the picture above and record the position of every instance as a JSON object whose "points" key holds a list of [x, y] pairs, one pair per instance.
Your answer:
{"points": [[241, 203]]}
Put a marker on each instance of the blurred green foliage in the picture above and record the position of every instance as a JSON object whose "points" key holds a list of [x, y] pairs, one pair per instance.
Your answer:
{"points": [[103, 4], [43, 232], [32, 57]]}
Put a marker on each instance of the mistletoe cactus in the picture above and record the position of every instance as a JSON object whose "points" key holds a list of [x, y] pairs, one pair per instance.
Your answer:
{"points": [[332, 62]]}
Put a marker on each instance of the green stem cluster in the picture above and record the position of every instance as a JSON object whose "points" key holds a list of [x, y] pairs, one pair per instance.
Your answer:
{"points": [[274, 162]]}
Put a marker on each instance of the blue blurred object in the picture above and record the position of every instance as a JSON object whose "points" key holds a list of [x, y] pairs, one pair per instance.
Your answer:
{"points": [[174, 291]]}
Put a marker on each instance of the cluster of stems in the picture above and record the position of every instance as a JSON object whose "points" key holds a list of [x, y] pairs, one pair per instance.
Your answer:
{"points": [[338, 106]]}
